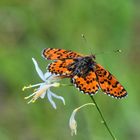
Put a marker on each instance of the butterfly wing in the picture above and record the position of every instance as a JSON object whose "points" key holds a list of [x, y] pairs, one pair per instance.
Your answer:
{"points": [[60, 67], [54, 54], [108, 83], [87, 84]]}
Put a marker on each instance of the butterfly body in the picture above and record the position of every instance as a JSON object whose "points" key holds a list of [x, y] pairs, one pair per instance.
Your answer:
{"points": [[82, 65], [87, 75]]}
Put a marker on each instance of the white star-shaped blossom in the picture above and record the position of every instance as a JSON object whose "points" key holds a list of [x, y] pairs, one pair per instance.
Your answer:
{"points": [[49, 80]]}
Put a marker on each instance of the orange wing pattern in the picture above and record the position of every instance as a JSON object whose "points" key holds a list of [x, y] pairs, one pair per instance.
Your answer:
{"points": [[108, 83], [54, 54], [68, 64], [60, 67], [88, 84]]}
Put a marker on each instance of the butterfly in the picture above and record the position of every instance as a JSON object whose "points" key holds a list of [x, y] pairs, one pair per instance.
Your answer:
{"points": [[87, 75]]}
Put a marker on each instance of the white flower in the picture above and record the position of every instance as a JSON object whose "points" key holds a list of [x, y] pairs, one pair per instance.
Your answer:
{"points": [[49, 80], [72, 121]]}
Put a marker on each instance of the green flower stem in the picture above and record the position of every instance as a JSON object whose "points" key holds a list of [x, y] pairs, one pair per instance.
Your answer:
{"points": [[66, 85], [104, 121]]}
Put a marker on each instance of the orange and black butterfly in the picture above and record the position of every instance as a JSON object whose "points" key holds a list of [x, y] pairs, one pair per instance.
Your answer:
{"points": [[87, 75]]}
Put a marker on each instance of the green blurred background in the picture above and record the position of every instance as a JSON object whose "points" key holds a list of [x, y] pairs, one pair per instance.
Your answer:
{"points": [[27, 27]]}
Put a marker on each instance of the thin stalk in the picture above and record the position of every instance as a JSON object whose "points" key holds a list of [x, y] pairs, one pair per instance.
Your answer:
{"points": [[103, 119]]}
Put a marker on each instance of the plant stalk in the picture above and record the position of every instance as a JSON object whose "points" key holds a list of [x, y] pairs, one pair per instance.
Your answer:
{"points": [[103, 119]]}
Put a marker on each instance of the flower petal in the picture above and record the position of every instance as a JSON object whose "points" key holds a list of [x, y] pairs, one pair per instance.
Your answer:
{"points": [[39, 71], [44, 93], [47, 75], [58, 97], [73, 123], [49, 94]]}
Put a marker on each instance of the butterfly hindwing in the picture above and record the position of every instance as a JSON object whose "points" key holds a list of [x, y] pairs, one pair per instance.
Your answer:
{"points": [[55, 54], [108, 83], [60, 67], [87, 84]]}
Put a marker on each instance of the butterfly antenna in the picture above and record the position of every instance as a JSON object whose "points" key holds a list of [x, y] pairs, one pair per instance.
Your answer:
{"points": [[83, 36], [110, 52], [85, 40], [118, 51]]}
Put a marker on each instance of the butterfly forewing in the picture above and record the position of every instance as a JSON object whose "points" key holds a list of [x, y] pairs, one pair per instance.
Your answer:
{"points": [[108, 83], [87, 84], [55, 54]]}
